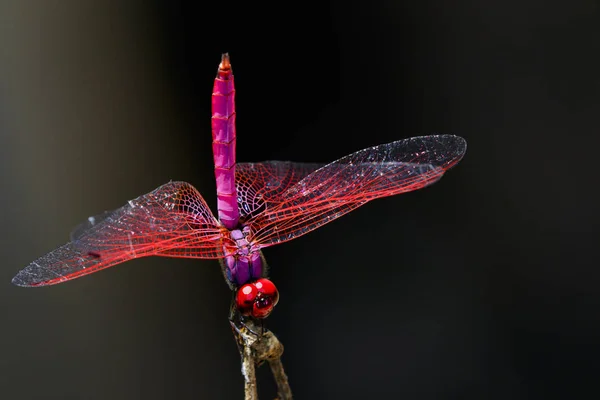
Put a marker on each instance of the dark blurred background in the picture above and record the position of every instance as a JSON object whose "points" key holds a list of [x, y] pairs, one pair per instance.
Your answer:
{"points": [[484, 286]]}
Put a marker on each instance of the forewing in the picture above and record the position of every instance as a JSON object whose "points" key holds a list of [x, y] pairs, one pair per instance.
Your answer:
{"points": [[345, 184], [172, 220], [260, 185]]}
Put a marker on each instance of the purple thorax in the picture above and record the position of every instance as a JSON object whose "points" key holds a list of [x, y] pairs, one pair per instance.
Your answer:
{"points": [[223, 133], [246, 263]]}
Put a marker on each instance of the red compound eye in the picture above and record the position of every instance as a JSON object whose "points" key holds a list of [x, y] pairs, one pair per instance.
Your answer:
{"points": [[245, 297], [267, 298], [257, 299], [267, 288]]}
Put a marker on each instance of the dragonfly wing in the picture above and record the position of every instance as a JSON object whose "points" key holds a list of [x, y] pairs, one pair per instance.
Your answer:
{"points": [[172, 220], [259, 185], [62, 264], [340, 187]]}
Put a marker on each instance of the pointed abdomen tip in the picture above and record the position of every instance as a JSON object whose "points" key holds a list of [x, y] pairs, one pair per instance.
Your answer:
{"points": [[225, 64]]}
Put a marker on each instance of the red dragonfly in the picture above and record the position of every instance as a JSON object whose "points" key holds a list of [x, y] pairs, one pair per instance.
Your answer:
{"points": [[259, 205]]}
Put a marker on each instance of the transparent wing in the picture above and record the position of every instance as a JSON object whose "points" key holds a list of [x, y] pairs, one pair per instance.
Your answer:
{"points": [[172, 221], [259, 185], [340, 187]]}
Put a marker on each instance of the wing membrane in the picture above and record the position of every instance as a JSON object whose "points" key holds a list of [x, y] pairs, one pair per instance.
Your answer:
{"points": [[342, 186], [172, 221], [259, 185]]}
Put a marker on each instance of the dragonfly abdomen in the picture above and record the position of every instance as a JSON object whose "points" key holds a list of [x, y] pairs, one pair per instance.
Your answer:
{"points": [[223, 134]]}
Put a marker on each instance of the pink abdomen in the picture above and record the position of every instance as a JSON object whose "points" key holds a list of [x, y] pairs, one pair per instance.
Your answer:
{"points": [[223, 133]]}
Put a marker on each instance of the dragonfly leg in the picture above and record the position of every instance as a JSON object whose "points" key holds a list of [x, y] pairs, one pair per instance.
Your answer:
{"points": [[241, 323]]}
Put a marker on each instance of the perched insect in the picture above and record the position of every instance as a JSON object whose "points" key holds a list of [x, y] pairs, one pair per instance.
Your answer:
{"points": [[259, 205]]}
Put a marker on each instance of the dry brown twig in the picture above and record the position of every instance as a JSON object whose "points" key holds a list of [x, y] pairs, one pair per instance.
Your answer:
{"points": [[256, 346]]}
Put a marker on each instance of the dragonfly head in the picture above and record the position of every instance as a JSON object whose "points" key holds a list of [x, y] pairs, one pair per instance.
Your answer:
{"points": [[257, 299]]}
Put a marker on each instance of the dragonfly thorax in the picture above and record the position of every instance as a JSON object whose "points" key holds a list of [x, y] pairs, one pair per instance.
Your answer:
{"points": [[240, 237], [243, 262]]}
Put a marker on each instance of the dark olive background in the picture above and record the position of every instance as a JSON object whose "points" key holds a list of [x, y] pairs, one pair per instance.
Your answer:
{"points": [[484, 286]]}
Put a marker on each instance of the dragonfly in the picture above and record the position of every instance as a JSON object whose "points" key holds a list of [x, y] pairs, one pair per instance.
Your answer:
{"points": [[258, 205]]}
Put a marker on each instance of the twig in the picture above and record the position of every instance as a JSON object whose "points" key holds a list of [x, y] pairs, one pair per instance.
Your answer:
{"points": [[255, 349], [249, 373], [283, 386]]}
